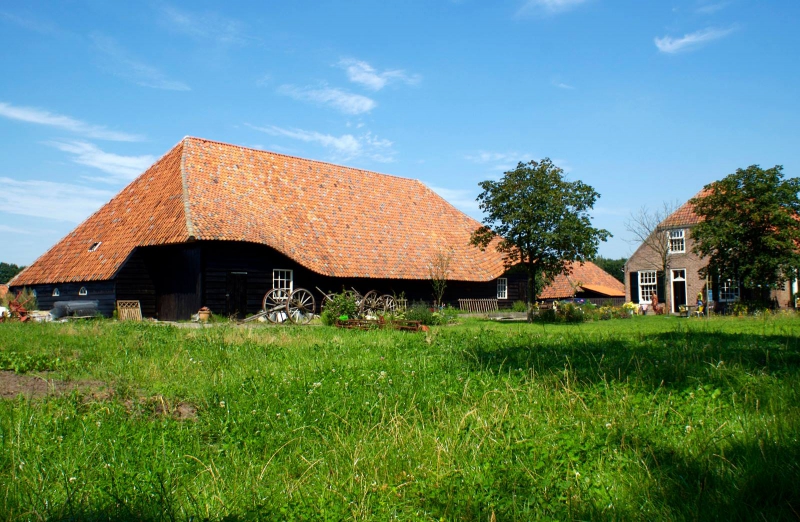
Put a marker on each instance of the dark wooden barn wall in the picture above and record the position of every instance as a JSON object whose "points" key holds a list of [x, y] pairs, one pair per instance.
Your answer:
{"points": [[134, 283], [101, 291]]}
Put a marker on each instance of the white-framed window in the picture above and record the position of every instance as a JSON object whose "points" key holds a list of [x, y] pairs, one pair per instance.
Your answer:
{"points": [[95, 246], [283, 279], [83, 291], [648, 285], [728, 291], [677, 241], [502, 288], [56, 293]]}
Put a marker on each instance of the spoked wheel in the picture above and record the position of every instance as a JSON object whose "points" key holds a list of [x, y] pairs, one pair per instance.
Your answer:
{"points": [[274, 305], [389, 304], [370, 304], [300, 306]]}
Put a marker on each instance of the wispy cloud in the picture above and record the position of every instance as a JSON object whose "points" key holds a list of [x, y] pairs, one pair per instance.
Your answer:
{"points": [[565, 86], [121, 168], [711, 8], [361, 72], [548, 6], [346, 102], [463, 200], [46, 199], [12, 230], [502, 161], [691, 41], [30, 23], [43, 117], [121, 64], [344, 147], [206, 25]]}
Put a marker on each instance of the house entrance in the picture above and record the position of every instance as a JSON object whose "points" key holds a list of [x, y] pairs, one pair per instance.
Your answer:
{"points": [[236, 295], [678, 289]]}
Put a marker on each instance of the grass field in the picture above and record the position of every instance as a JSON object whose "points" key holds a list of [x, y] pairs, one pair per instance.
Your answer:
{"points": [[642, 419]]}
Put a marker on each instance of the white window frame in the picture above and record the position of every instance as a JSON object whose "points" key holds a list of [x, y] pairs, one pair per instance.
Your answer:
{"points": [[283, 278], [56, 292], [648, 279], [677, 241], [728, 291], [83, 291], [502, 288]]}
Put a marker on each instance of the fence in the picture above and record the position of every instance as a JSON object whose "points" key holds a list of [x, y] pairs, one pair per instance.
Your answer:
{"points": [[478, 305]]}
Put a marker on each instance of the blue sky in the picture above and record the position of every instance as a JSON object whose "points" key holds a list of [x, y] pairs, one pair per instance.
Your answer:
{"points": [[646, 101]]}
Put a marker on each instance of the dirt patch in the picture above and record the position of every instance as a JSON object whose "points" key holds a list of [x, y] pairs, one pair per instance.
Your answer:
{"points": [[41, 385], [37, 386]]}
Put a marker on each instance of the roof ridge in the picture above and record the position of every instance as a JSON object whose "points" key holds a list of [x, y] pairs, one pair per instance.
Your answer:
{"points": [[185, 191], [299, 158]]}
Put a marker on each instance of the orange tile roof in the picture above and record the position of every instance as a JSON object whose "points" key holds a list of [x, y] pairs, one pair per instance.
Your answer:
{"points": [[337, 221], [685, 215], [586, 275], [3, 290]]}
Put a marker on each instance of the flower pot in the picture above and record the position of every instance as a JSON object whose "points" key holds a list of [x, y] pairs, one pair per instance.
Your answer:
{"points": [[204, 315]]}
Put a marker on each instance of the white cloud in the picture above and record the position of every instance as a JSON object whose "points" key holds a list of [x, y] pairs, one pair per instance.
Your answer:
{"points": [[344, 101], [12, 230], [140, 73], [711, 8], [46, 199], [503, 161], [29, 23], [690, 41], [344, 147], [363, 73], [565, 86], [207, 25], [122, 168], [548, 6], [463, 200], [42, 117]]}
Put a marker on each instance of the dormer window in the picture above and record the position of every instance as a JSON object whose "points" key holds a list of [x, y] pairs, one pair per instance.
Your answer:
{"points": [[83, 291], [56, 293], [95, 246]]}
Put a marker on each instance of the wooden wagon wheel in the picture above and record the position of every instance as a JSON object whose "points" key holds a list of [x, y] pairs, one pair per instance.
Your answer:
{"points": [[370, 304], [274, 305], [300, 306], [389, 304]]}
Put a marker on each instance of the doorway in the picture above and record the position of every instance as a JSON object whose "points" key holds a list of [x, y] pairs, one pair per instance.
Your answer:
{"points": [[678, 289], [236, 295]]}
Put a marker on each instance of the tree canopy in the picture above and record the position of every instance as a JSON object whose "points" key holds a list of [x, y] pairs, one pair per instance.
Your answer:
{"points": [[539, 219], [615, 267], [750, 227], [8, 271]]}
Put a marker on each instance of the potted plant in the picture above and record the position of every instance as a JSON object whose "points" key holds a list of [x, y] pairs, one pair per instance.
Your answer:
{"points": [[204, 314]]}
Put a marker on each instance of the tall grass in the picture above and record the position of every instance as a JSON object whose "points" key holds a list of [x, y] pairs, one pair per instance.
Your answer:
{"points": [[650, 418]]}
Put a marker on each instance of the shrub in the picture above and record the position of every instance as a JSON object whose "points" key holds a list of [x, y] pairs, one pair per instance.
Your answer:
{"points": [[341, 305], [519, 306], [420, 311]]}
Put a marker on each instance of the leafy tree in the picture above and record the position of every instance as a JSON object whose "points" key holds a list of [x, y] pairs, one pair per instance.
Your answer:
{"points": [[538, 219], [750, 228], [615, 267], [8, 271]]}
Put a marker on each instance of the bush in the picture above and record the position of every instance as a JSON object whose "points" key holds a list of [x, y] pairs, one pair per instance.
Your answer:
{"points": [[565, 313], [341, 305], [519, 306], [420, 311]]}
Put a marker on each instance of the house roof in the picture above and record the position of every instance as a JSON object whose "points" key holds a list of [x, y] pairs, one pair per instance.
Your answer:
{"points": [[684, 216], [3, 290], [586, 276], [335, 220]]}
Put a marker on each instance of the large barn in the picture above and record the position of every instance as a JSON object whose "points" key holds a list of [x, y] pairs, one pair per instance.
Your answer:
{"points": [[218, 225]]}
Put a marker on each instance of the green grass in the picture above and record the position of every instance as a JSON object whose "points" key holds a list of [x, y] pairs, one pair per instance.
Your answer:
{"points": [[641, 419]]}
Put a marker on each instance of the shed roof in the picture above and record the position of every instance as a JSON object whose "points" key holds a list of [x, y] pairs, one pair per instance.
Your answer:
{"points": [[586, 276], [337, 221]]}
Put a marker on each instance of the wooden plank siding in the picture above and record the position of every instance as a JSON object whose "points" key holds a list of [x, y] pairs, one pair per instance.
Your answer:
{"points": [[101, 291]]}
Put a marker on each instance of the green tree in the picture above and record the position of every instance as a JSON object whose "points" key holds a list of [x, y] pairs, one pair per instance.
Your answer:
{"points": [[8, 271], [615, 267], [749, 228], [540, 220]]}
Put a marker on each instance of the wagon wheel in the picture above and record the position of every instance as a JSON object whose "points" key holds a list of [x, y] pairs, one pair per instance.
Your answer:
{"points": [[274, 305], [370, 304], [300, 306], [389, 304]]}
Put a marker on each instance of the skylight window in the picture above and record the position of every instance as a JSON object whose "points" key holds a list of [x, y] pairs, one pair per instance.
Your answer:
{"points": [[95, 246]]}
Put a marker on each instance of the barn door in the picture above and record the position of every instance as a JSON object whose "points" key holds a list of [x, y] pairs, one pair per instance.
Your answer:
{"points": [[236, 295]]}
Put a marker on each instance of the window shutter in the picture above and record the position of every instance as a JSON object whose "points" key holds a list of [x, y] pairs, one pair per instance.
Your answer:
{"points": [[662, 297], [634, 286]]}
